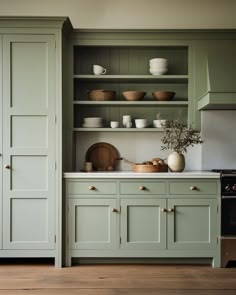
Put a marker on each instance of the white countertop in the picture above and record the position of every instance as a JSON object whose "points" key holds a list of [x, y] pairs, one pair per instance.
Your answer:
{"points": [[130, 174]]}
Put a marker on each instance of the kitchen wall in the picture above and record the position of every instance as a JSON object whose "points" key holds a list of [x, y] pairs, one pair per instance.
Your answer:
{"points": [[134, 146], [218, 127], [131, 14], [219, 133]]}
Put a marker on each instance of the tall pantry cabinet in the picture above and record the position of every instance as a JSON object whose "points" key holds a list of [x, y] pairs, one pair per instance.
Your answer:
{"points": [[31, 112]]}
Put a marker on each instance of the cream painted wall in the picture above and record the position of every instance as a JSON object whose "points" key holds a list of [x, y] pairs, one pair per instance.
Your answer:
{"points": [[132, 14]]}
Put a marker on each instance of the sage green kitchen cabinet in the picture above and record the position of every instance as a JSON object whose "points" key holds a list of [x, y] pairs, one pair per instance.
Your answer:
{"points": [[28, 147], [92, 223], [1, 225], [31, 97], [143, 224], [125, 55], [148, 218], [192, 224]]}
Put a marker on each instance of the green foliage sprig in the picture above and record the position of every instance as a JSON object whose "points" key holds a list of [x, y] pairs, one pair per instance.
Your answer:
{"points": [[177, 137]]}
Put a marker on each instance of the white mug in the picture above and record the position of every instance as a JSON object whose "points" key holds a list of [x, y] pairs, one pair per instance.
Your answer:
{"points": [[98, 70], [126, 119]]}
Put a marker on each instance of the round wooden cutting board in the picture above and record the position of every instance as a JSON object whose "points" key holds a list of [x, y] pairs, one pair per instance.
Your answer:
{"points": [[103, 155]]}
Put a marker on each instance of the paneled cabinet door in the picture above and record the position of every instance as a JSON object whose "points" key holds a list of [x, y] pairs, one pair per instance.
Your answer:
{"points": [[143, 224], [192, 224], [1, 227], [92, 224], [28, 141]]}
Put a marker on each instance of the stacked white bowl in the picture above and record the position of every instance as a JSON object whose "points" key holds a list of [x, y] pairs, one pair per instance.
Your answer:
{"points": [[92, 122], [158, 66]]}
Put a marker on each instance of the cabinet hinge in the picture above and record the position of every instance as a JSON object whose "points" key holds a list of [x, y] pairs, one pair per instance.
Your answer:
{"points": [[55, 119], [120, 208], [120, 240], [55, 239], [217, 208], [55, 166], [55, 44]]}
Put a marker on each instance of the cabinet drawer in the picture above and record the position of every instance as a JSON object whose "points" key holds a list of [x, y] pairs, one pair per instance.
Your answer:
{"points": [[91, 188], [142, 188], [193, 187]]}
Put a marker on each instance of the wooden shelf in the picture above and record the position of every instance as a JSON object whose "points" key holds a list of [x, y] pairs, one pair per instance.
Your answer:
{"points": [[117, 129], [132, 103], [119, 78]]}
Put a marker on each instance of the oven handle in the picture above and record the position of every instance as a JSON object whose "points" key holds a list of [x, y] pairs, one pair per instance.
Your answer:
{"points": [[228, 197]]}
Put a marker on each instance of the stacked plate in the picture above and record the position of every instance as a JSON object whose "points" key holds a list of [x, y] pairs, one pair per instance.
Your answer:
{"points": [[93, 122], [158, 66]]}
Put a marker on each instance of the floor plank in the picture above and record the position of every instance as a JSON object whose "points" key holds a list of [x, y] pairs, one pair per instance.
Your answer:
{"points": [[117, 280]]}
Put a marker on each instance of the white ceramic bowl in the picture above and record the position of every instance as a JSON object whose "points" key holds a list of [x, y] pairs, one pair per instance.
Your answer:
{"points": [[93, 120], [159, 123], [114, 124], [158, 71], [158, 60], [141, 123]]}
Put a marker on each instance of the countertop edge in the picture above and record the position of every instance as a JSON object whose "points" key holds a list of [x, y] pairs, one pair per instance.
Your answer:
{"points": [[134, 175]]}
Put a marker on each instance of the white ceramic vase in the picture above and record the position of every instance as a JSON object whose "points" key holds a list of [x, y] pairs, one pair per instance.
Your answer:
{"points": [[176, 162]]}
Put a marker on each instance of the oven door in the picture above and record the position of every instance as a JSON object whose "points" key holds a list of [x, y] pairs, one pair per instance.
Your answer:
{"points": [[228, 216]]}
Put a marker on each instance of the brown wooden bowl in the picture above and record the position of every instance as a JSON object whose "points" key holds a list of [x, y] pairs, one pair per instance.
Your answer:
{"points": [[144, 168], [134, 95], [101, 95], [163, 95]]}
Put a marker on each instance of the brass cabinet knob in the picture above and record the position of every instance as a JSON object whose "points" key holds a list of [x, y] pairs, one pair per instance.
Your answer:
{"points": [[163, 210], [92, 188], [114, 210], [193, 188], [142, 188], [171, 210], [7, 167]]}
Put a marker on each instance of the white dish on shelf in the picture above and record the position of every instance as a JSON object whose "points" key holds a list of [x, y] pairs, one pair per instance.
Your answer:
{"points": [[94, 120], [141, 123], [159, 123], [90, 125]]}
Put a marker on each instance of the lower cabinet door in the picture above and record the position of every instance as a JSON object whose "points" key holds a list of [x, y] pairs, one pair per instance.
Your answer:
{"points": [[143, 224], [92, 223], [192, 224]]}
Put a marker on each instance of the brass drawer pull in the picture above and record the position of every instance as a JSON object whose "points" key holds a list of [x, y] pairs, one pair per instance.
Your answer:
{"points": [[114, 210], [92, 188], [163, 210], [171, 210], [7, 167], [193, 188], [142, 188]]}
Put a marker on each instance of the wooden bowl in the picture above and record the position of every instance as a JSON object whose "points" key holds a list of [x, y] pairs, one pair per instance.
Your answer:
{"points": [[101, 95], [134, 95], [144, 168], [163, 95]]}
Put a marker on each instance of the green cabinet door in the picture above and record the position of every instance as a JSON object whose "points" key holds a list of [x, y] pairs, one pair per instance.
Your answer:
{"points": [[1, 227], [192, 224], [92, 224], [143, 224], [29, 142]]}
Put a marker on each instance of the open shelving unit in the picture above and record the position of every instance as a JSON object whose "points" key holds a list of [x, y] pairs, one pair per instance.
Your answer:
{"points": [[127, 68]]}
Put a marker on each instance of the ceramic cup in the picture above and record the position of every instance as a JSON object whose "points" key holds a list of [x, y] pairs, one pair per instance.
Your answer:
{"points": [[126, 119], [98, 70], [114, 124], [128, 124], [88, 166]]}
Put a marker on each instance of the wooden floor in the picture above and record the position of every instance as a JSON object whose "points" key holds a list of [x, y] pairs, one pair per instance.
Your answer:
{"points": [[44, 279]]}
